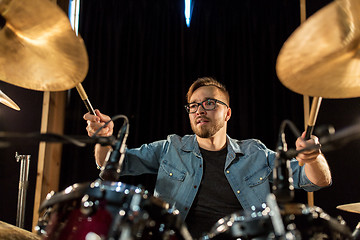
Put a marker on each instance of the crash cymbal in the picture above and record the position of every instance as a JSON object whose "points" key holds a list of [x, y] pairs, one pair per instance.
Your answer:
{"points": [[352, 207], [39, 50], [321, 57], [7, 101]]}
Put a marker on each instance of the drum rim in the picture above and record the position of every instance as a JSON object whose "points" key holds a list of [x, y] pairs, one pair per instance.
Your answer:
{"points": [[93, 189]]}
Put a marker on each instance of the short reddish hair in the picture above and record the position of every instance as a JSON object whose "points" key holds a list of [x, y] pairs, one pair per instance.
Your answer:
{"points": [[207, 81]]}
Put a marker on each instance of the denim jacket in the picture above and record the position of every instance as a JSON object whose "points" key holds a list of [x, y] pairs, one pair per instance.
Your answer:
{"points": [[179, 167]]}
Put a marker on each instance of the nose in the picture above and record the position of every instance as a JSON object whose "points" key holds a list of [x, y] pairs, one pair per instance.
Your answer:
{"points": [[200, 110]]}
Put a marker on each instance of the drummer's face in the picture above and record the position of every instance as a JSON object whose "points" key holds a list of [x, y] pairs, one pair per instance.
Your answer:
{"points": [[207, 123]]}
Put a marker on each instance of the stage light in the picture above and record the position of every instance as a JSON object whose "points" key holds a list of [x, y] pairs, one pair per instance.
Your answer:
{"points": [[188, 11]]}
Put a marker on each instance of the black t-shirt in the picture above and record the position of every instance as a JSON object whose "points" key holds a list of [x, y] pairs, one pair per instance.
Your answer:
{"points": [[215, 198]]}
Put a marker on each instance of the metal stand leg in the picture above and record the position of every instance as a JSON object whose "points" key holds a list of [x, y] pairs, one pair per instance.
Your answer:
{"points": [[23, 185]]}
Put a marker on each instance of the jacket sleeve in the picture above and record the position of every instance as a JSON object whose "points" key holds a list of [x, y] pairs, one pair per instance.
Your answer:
{"points": [[145, 159], [300, 179]]}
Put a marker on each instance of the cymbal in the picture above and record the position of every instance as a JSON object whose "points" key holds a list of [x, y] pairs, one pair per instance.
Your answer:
{"points": [[10, 232], [39, 50], [7, 101], [352, 207], [321, 57]]}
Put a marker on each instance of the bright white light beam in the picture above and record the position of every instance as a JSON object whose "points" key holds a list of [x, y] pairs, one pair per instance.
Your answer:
{"points": [[188, 12]]}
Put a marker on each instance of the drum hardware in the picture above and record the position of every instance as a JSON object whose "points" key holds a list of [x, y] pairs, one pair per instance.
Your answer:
{"points": [[7, 138], [42, 223], [44, 219], [23, 186], [277, 222], [8, 102], [243, 225], [113, 162], [356, 233], [283, 187], [88, 206]]}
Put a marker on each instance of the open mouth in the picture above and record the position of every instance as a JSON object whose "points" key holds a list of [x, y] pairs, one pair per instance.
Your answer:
{"points": [[201, 121]]}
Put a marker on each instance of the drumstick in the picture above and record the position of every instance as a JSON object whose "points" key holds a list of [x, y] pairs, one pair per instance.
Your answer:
{"points": [[85, 98], [74, 20], [315, 106]]}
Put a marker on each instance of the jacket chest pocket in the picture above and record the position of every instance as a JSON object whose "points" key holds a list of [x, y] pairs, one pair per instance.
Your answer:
{"points": [[172, 172], [258, 177]]}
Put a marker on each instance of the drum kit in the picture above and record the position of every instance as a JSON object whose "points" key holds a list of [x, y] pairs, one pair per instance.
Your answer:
{"points": [[319, 59]]}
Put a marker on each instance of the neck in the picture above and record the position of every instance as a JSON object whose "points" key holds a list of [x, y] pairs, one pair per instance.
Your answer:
{"points": [[214, 143]]}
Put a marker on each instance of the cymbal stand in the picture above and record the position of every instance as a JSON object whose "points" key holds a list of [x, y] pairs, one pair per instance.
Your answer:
{"points": [[23, 186], [356, 233]]}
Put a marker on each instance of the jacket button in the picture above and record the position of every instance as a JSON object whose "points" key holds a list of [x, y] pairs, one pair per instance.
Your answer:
{"points": [[170, 174], [227, 171], [238, 191], [261, 178]]}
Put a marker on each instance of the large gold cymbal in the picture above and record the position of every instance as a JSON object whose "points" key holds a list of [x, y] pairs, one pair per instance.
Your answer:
{"points": [[38, 48], [351, 207], [321, 58]]}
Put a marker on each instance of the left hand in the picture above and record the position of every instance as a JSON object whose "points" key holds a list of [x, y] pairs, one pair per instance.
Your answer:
{"points": [[310, 155]]}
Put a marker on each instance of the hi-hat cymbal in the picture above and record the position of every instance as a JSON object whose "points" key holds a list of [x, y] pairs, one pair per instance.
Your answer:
{"points": [[352, 207], [321, 57], [7, 101], [39, 50]]}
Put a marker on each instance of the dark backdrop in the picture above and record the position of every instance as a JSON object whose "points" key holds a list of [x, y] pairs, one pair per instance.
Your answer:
{"points": [[143, 57]]}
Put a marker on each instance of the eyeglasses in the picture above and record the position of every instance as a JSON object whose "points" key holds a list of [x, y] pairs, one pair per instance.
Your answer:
{"points": [[208, 104]]}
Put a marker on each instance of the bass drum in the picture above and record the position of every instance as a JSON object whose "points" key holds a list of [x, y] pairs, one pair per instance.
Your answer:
{"points": [[108, 210], [298, 222]]}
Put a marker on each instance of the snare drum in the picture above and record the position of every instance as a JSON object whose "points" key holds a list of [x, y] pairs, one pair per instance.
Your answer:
{"points": [[108, 210]]}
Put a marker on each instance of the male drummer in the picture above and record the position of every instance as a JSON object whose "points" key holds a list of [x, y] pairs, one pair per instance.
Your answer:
{"points": [[209, 175]]}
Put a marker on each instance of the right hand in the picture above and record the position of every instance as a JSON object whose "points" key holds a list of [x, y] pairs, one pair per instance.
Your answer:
{"points": [[95, 122]]}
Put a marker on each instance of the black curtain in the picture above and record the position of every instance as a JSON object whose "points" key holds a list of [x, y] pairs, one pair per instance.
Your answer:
{"points": [[143, 57], [27, 120]]}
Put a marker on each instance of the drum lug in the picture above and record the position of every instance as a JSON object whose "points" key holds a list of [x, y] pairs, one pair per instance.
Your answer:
{"points": [[88, 206], [43, 221]]}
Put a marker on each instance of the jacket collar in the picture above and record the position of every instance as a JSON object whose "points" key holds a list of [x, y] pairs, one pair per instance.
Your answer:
{"points": [[191, 145]]}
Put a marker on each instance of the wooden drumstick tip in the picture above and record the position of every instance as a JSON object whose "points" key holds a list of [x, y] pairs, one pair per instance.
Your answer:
{"points": [[81, 91], [85, 99]]}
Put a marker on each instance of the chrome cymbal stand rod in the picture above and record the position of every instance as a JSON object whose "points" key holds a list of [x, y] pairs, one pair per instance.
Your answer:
{"points": [[23, 186]]}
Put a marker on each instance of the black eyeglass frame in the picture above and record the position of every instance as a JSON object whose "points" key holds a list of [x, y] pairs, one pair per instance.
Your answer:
{"points": [[187, 108]]}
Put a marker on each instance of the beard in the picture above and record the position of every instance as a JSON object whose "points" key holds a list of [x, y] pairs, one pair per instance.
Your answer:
{"points": [[208, 130]]}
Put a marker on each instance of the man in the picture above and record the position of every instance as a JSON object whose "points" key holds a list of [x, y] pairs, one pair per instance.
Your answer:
{"points": [[208, 175]]}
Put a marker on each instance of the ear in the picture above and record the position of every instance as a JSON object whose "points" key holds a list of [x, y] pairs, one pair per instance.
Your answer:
{"points": [[228, 114]]}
